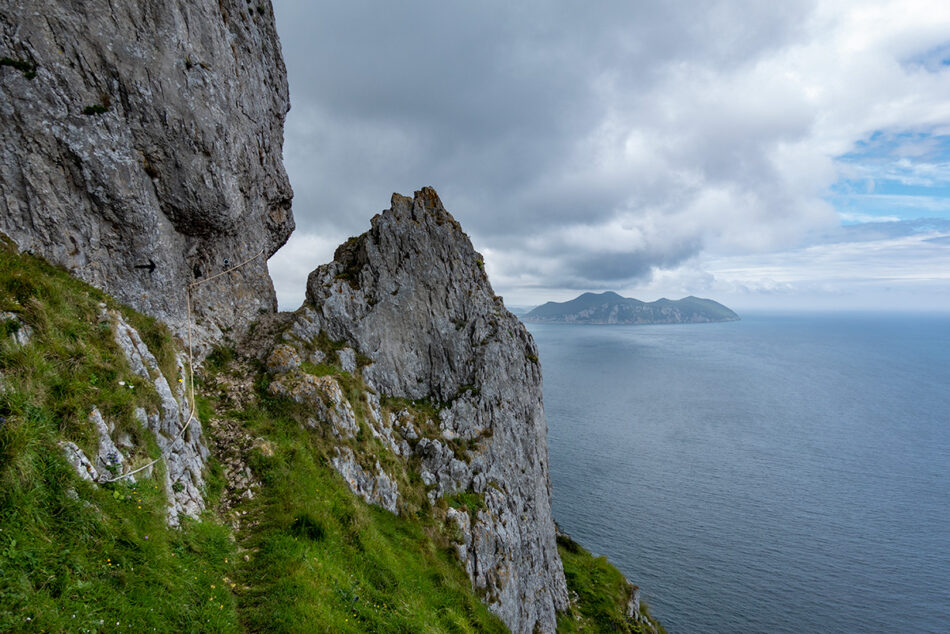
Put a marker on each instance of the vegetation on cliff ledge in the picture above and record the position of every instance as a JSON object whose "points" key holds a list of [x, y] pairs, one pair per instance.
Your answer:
{"points": [[600, 595]]}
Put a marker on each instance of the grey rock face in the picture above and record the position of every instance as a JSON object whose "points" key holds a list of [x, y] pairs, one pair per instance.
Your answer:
{"points": [[347, 357], [633, 605], [463, 546], [20, 332], [80, 462], [109, 460], [412, 296], [143, 151], [185, 453], [381, 426], [324, 395], [441, 469], [377, 489]]}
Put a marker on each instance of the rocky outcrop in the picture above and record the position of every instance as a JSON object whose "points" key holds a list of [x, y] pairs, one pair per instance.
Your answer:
{"points": [[324, 396], [109, 458], [411, 297], [181, 442], [79, 461], [184, 453], [18, 331], [140, 148], [379, 489]]}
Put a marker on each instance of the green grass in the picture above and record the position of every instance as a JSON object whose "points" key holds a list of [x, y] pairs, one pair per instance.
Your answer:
{"points": [[602, 593], [468, 500], [75, 557], [322, 556]]}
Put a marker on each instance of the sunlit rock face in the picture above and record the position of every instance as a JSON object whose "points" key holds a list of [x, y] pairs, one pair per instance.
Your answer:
{"points": [[411, 296], [140, 148]]}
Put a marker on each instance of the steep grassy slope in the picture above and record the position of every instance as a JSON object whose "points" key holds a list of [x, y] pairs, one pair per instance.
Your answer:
{"points": [[318, 557], [73, 556], [306, 554]]}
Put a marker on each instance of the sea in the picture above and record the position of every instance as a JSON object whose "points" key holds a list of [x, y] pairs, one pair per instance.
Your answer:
{"points": [[782, 473]]}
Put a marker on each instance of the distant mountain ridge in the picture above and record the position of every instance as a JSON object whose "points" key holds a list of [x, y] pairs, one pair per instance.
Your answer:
{"points": [[611, 308]]}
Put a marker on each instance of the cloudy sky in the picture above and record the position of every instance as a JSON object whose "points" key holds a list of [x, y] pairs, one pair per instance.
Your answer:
{"points": [[769, 155]]}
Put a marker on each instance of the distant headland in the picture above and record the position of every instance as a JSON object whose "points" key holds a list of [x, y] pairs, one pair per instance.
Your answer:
{"points": [[611, 308]]}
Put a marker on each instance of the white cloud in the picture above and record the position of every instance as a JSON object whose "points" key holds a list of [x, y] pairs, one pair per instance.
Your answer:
{"points": [[859, 217], [909, 272], [588, 146], [290, 266]]}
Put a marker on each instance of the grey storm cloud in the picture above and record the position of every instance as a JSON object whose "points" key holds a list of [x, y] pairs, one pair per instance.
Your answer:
{"points": [[491, 102], [611, 268], [668, 127]]}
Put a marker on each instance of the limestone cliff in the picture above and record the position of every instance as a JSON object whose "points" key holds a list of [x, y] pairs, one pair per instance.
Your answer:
{"points": [[140, 147], [411, 299]]}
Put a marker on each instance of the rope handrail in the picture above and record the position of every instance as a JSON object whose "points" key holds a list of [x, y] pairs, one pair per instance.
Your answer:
{"points": [[191, 367]]}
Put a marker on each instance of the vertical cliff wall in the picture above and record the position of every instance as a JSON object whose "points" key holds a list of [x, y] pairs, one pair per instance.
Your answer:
{"points": [[411, 298], [140, 148]]}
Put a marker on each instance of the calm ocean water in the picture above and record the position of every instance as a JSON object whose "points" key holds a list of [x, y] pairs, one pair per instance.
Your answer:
{"points": [[785, 473]]}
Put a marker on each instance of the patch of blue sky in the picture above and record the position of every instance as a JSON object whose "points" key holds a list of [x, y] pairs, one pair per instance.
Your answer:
{"points": [[894, 175], [932, 60], [857, 208], [932, 144]]}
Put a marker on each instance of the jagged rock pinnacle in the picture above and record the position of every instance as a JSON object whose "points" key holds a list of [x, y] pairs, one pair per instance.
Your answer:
{"points": [[411, 295]]}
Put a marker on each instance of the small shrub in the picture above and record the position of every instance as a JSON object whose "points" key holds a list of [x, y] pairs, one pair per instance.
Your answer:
{"points": [[219, 359], [568, 544], [27, 68], [95, 109]]}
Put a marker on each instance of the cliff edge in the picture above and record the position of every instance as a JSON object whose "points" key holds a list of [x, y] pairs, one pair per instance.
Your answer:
{"points": [[140, 148]]}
